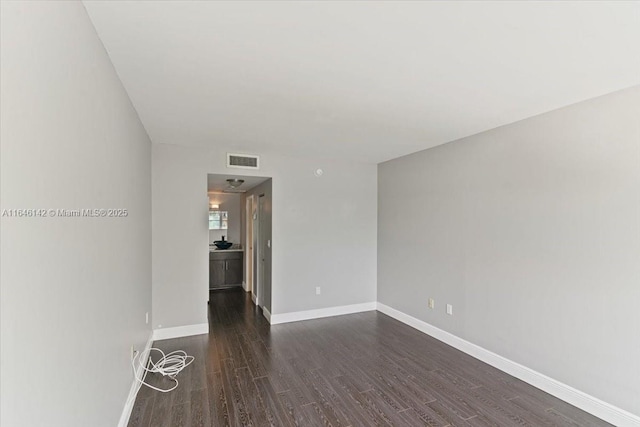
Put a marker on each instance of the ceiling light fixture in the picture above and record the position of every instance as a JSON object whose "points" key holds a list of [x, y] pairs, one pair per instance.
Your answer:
{"points": [[235, 183]]}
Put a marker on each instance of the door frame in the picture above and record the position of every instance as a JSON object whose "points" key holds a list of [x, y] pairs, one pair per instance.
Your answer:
{"points": [[259, 249], [249, 271]]}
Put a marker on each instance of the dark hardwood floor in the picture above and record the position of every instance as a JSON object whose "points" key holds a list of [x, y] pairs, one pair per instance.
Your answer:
{"points": [[356, 370]]}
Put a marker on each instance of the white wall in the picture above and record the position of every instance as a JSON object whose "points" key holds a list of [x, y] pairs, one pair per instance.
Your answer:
{"points": [[74, 290], [324, 231], [532, 232], [231, 204]]}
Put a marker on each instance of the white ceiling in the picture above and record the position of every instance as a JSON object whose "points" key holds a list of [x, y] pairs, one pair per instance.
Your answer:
{"points": [[364, 80], [217, 183]]}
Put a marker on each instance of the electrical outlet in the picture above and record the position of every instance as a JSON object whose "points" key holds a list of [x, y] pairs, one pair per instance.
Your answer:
{"points": [[317, 290], [450, 309], [432, 303], [133, 352], [146, 318]]}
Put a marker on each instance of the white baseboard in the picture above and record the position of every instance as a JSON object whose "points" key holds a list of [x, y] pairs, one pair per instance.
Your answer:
{"points": [[266, 313], [253, 298], [180, 331], [584, 401], [135, 387], [322, 312]]}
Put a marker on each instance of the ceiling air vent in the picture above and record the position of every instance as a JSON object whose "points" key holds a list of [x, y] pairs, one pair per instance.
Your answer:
{"points": [[243, 161]]}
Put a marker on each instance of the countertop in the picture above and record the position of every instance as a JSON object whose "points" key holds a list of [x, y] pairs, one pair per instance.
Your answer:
{"points": [[231, 249]]}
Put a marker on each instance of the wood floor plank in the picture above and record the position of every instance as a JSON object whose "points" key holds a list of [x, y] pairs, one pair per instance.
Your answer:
{"points": [[180, 415], [320, 395], [385, 378], [358, 370], [572, 413], [535, 411], [501, 411], [276, 415], [212, 362], [255, 354], [454, 379], [250, 396], [161, 415], [200, 415], [301, 394], [141, 413], [479, 421], [315, 417], [295, 414], [196, 372], [278, 372], [358, 398], [438, 414], [349, 414], [218, 409], [583, 420], [452, 398], [411, 417], [382, 407], [352, 403], [238, 415]]}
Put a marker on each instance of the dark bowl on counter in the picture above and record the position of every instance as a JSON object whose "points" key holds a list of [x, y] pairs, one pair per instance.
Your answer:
{"points": [[222, 244]]}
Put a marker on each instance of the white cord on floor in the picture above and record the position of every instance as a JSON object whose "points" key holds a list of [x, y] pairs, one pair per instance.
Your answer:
{"points": [[169, 364]]}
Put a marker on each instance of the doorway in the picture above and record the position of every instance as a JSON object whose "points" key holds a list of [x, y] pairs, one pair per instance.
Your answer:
{"points": [[251, 240]]}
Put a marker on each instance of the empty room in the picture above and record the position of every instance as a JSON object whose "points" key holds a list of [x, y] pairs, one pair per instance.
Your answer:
{"points": [[319, 213]]}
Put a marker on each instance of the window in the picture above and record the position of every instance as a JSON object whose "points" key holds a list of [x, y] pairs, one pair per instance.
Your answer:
{"points": [[218, 220]]}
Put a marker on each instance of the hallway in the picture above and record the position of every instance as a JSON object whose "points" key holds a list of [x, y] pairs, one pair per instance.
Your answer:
{"points": [[355, 370]]}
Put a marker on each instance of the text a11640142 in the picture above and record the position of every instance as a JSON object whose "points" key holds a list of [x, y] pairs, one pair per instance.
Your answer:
{"points": [[65, 213]]}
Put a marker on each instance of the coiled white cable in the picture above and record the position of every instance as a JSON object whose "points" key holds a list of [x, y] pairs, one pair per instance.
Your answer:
{"points": [[169, 364]]}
